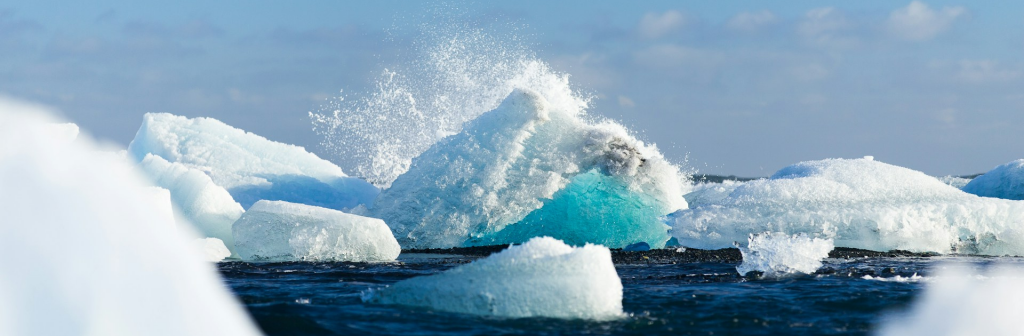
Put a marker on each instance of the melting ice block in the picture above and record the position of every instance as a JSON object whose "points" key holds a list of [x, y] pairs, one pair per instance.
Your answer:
{"points": [[282, 231], [87, 249], [249, 166], [543, 277], [961, 302], [528, 169], [1005, 181], [858, 203], [779, 254], [212, 249], [206, 205]]}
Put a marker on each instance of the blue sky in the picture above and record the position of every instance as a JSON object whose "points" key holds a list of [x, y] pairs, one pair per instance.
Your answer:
{"points": [[741, 87]]}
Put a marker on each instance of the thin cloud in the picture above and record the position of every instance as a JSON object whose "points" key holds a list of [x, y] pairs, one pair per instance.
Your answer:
{"points": [[919, 22], [752, 21], [654, 25]]}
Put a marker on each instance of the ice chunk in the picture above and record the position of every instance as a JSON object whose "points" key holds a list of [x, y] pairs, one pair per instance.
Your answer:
{"points": [[282, 231], [778, 254], [543, 277], [955, 181], [161, 199], [1005, 181], [956, 302], [858, 203], [710, 193], [207, 206], [212, 249], [529, 169], [249, 166], [65, 132], [85, 249]]}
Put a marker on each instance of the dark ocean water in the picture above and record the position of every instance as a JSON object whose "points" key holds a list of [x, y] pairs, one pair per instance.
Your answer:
{"points": [[701, 298]]}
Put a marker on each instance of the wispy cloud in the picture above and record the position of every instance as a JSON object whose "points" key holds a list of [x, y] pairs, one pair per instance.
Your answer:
{"points": [[752, 21], [655, 25], [919, 22]]}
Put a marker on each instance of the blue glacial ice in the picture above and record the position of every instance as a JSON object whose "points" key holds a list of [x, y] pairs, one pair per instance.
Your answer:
{"points": [[778, 254], [858, 203], [206, 205], [87, 249], [1005, 181], [248, 166], [282, 231], [543, 277], [532, 168]]}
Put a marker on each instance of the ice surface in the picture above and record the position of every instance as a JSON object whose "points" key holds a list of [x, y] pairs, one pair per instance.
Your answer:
{"points": [[957, 302], [249, 166], [779, 254], [206, 205], [533, 168], [543, 277], [282, 231], [1005, 181], [161, 198], [64, 131], [212, 249], [86, 250], [955, 181], [710, 193], [858, 203]]}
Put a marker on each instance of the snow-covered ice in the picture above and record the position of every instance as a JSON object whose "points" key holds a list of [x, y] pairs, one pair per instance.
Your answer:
{"points": [[779, 254], [206, 205], [86, 250], [533, 168], [248, 166], [1005, 181], [955, 181], [543, 277], [212, 249], [282, 231], [859, 203]]}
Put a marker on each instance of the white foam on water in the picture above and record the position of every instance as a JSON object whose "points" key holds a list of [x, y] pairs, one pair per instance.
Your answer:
{"points": [[540, 278], [85, 248], [777, 254], [1005, 181]]}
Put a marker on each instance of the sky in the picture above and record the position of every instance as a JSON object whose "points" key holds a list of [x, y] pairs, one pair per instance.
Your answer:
{"points": [[739, 87]]}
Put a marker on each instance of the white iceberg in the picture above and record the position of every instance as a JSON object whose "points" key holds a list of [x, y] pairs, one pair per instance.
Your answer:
{"points": [[528, 169], [780, 254], [543, 277], [85, 249], [958, 301], [1005, 181], [710, 193], [206, 205], [955, 181], [858, 203], [248, 166], [282, 231], [212, 249]]}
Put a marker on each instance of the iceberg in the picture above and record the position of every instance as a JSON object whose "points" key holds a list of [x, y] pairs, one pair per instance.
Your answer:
{"points": [[528, 169], [87, 249], [958, 301], [859, 203], [206, 205], [543, 277], [1005, 181], [779, 255], [248, 166], [282, 231], [212, 249]]}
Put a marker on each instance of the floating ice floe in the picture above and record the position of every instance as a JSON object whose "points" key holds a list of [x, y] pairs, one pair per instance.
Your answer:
{"points": [[1005, 181], [543, 277], [780, 254], [955, 302], [86, 249], [282, 231], [528, 169], [247, 165], [206, 205], [212, 249], [859, 203]]}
